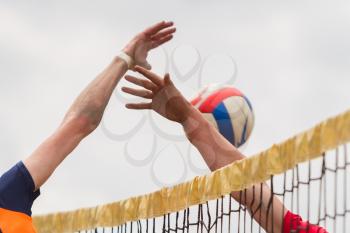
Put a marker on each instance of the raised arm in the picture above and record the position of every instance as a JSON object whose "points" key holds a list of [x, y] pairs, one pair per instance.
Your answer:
{"points": [[86, 112], [214, 148]]}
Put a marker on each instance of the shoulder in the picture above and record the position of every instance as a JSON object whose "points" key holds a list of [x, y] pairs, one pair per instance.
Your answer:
{"points": [[17, 190]]}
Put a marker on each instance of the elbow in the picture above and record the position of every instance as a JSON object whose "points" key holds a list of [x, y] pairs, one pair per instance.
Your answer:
{"points": [[86, 125], [81, 125]]}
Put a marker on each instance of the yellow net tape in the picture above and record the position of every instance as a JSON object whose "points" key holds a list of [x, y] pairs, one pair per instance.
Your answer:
{"points": [[234, 177]]}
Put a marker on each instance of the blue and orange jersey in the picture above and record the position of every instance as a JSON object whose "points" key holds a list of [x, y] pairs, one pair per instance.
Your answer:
{"points": [[16, 199]]}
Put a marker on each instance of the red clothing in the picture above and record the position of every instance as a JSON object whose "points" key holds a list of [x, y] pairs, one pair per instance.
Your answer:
{"points": [[294, 222]]}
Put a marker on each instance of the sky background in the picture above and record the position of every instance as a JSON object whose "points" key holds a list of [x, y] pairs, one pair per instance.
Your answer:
{"points": [[292, 57]]}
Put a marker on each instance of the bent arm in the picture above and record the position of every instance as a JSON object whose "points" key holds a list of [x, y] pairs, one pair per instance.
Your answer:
{"points": [[218, 152], [81, 119]]}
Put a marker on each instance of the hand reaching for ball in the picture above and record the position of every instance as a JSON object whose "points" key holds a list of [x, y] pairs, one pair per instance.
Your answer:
{"points": [[165, 97]]}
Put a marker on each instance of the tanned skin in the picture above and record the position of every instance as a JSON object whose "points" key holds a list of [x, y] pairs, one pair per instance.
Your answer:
{"points": [[165, 99], [86, 112]]}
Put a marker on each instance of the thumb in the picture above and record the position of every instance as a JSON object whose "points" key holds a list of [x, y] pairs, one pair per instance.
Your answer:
{"points": [[167, 79], [146, 65]]}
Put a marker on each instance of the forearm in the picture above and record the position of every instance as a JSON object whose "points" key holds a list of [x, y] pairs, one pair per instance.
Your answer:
{"points": [[214, 148], [45, 159], [218, 152], [89, 106]]}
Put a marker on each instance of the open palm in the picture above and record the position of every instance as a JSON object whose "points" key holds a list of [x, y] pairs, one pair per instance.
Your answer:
{"points": [[150, 38], [166, 98]]}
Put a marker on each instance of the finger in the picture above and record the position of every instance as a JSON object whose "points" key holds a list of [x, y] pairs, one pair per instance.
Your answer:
{"points": [[138, 92], [164, 33], [157, 27], [150, 75], [139, 106], [141, 82], [161, 41]]}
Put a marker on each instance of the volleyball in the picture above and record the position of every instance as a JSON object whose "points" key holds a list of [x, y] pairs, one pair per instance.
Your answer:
{"points": [[228, 109]]}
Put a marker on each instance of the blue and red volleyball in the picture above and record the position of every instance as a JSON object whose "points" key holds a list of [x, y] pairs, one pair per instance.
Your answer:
{"points": [[228, 109]]}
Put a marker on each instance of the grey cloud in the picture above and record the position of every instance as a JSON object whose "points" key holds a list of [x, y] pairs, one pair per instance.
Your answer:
{"points": [[292, 58]]}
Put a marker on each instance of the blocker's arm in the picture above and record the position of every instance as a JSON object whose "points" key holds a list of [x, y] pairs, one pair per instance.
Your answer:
{"points": [[165, 99], [218, 152], [85, 114]]}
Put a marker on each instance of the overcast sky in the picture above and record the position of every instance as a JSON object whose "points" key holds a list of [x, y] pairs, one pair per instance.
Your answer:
{"points": [[292, 57]]}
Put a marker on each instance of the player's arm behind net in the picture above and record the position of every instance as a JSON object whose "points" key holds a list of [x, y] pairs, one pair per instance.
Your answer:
{"points": [[217, 152]]}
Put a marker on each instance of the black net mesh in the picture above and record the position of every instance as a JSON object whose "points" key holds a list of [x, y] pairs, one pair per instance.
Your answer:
{"points": [[316, 190]]}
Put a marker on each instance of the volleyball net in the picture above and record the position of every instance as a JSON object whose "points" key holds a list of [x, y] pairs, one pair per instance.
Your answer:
{"points": [[309, 173]]}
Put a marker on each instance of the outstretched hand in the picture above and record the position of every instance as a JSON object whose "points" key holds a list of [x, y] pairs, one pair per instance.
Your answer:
{"points": [[150, 38], [165, 97]]}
